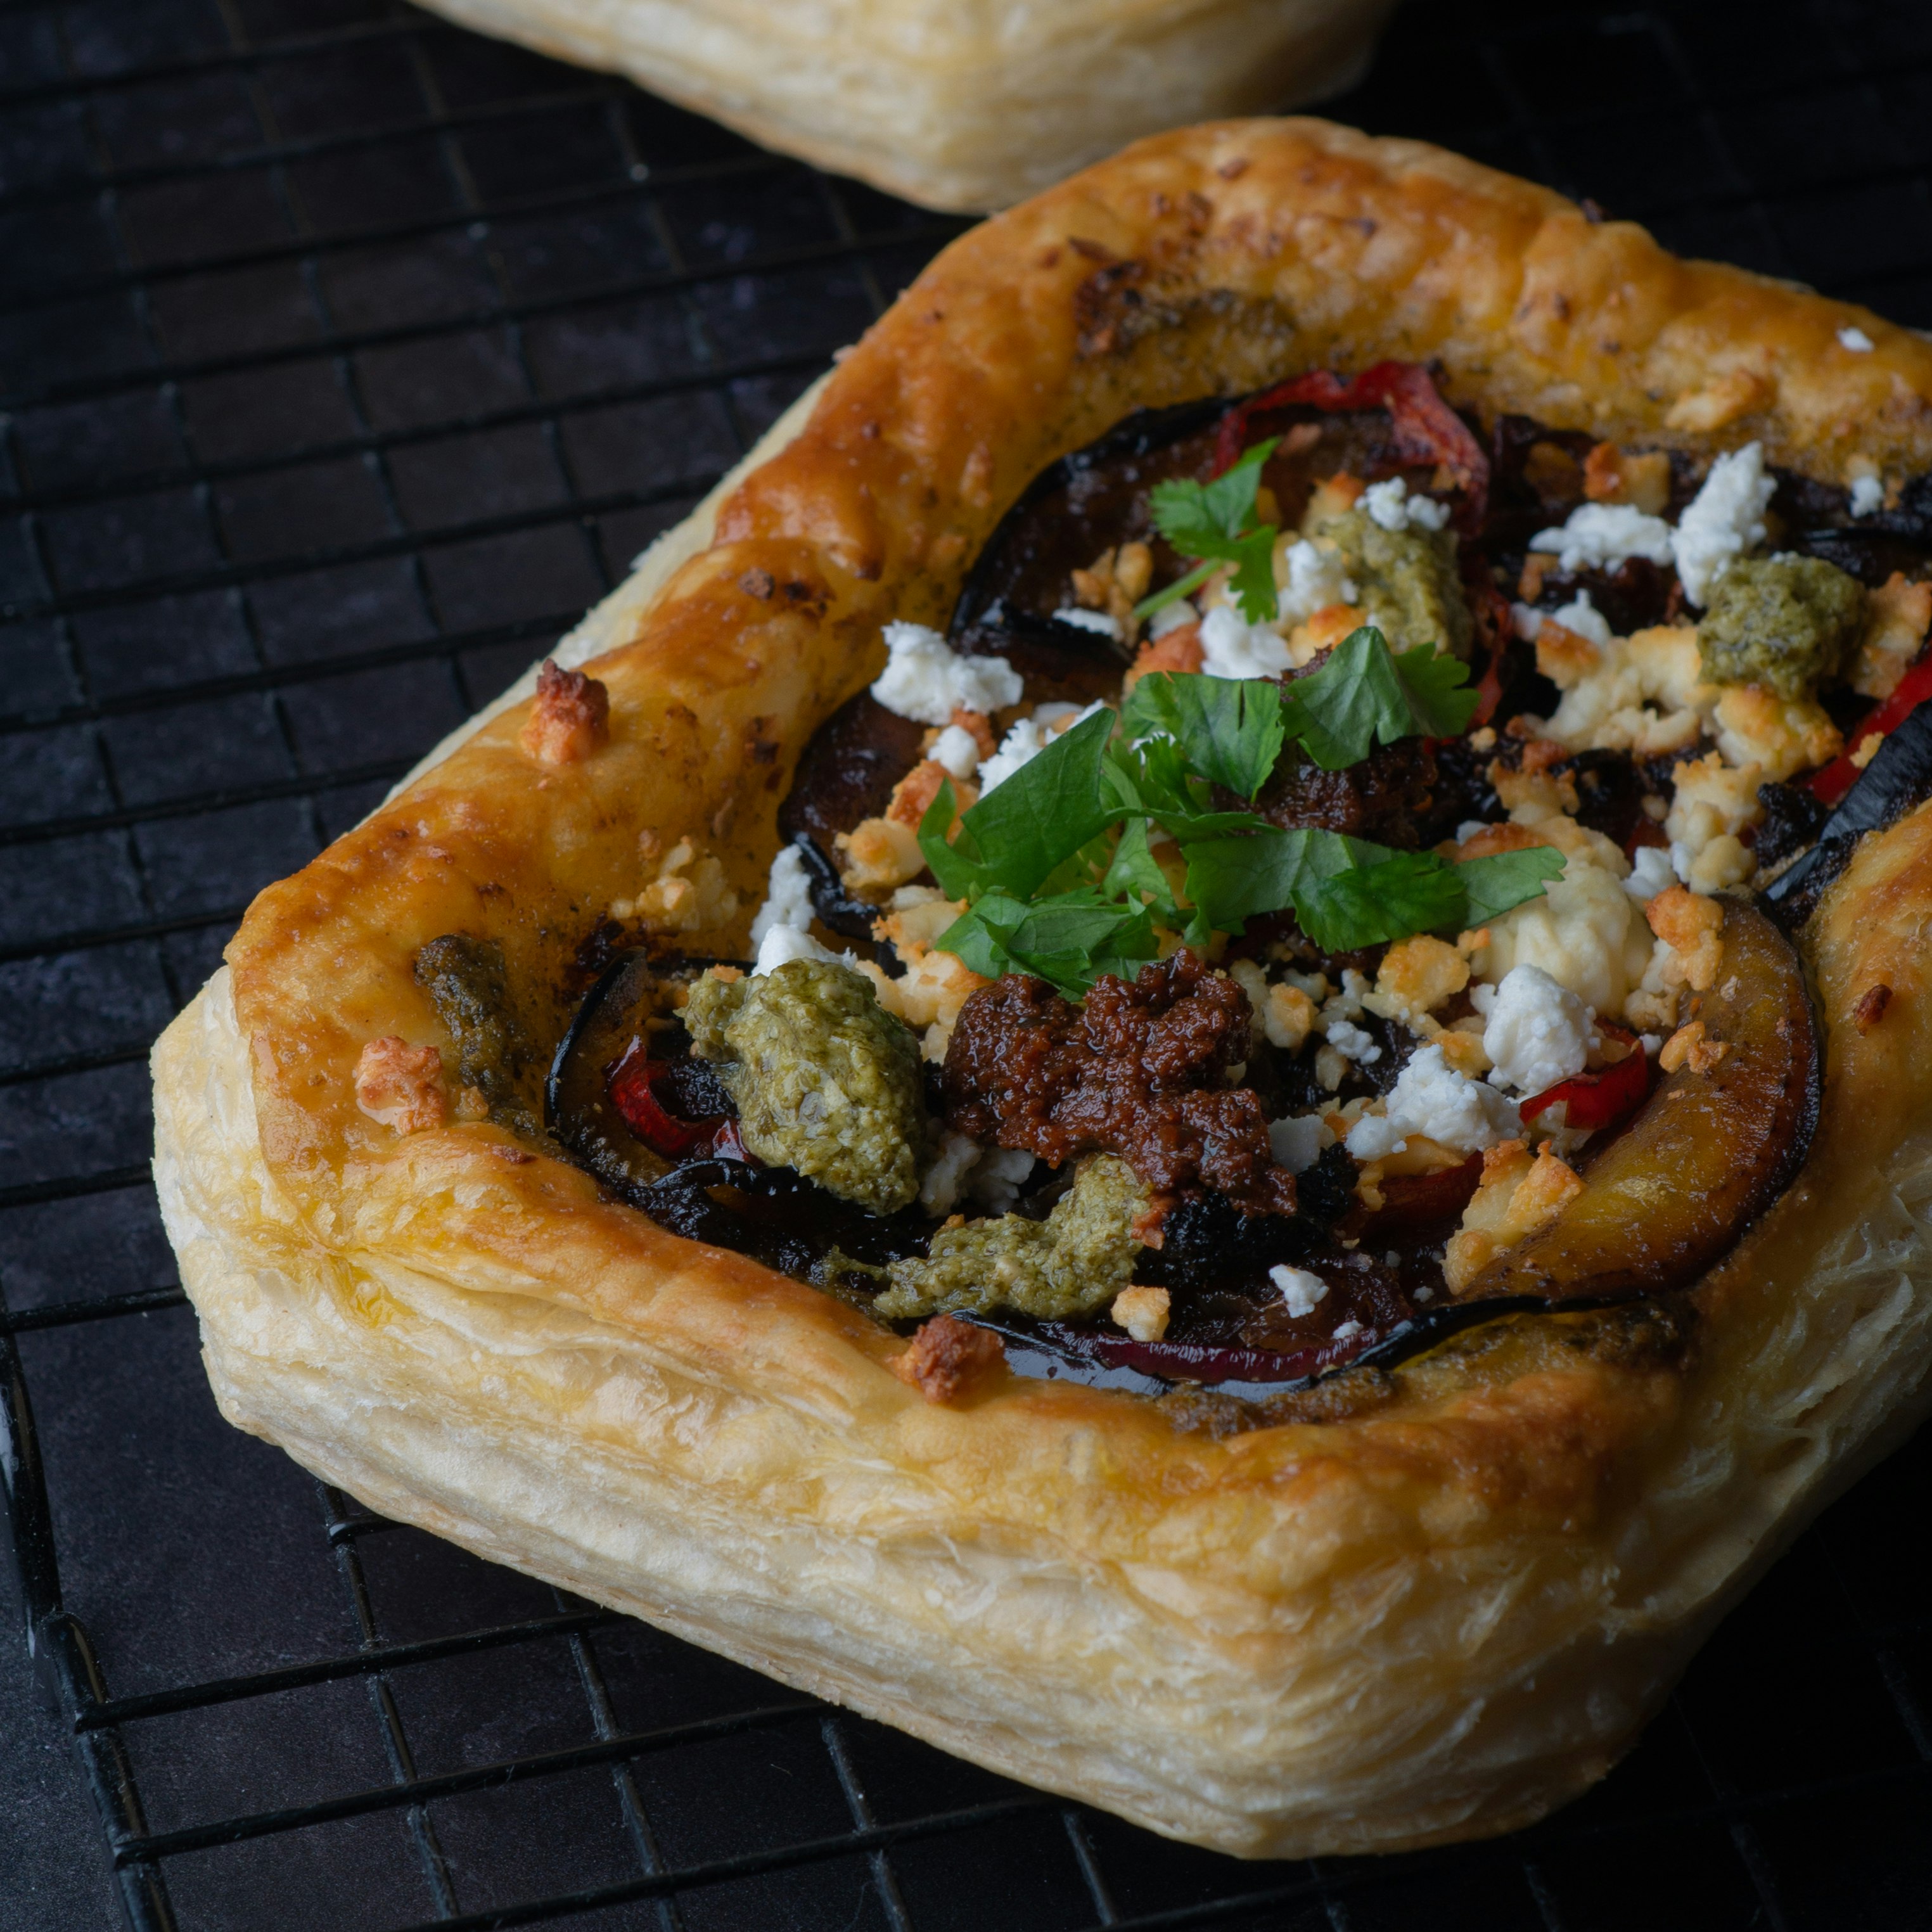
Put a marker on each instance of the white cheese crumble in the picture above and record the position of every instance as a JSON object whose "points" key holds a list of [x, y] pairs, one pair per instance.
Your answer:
{"points": [[1173, 616], [784, 943], [1297, 1142], [1353, 1043], [1232, 647], [1299, 1288], [1868, 495], [1583, 617], [1347, 1331], [1390, 504], [1600, 536], [1432, 1099], [939, 1192], [958, 750], [1652, 871], [995, 1182], [1316, 578], [927, 680], [1098, 621], [1725, 519], [1854, 338], [1538, 1031], [991, 1176], [787, 897], [1027, 738]]}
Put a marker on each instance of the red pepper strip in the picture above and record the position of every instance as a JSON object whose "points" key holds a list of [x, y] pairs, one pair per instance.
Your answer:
{"points": [[1426, 429], [1491, 609], [1841, 774], [1599, 1099], [631, 1080]]}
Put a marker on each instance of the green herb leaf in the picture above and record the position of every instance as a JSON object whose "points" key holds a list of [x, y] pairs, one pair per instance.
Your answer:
{"points": [[1346, 893], [1153, 779], [1365, 694], [1231, 730], [1040, 816], [957, 867], [1390, 899], [1506, 879], [1136, 875], [1215, 521], [1068, 940], [1207, 519]]}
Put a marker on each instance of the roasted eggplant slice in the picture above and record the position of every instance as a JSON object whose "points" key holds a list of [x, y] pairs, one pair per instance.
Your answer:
{"points": [[1897, 779], [1709, 1154]]}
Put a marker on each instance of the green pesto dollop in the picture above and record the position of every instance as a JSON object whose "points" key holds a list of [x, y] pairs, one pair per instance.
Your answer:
{"points": [[1408, 582], [826, 1080], [467, 980], [1072, 1263], [1786, 622]]}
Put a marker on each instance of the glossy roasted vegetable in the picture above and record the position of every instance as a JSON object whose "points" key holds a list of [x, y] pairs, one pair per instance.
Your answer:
{"points": [[1709, 1153]]}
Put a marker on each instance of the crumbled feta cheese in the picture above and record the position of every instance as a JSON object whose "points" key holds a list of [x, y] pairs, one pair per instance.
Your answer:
{"points": [[939, 1192], [1297, 1142], [1538, 1033], [1347, 1331], [958, 750], [1652, 871], [1316, 578], [1028, 738], [1854, 338], [1601, 536], [1172, 617], [1098, 621], [785, 944], [788, 896], [1347, 1004], [1868, 495], [1583, 617], [995, 1183], [1391, 506], [1231, 647], [1299, 1288], [1525, 620], [1586, 932], [1352, 1043], [1725, 519], [1433, 1099], [927, 680]]}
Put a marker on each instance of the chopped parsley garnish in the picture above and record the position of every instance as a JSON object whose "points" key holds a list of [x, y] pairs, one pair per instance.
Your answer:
{"points": [[1215, 522], [1053, 889]]}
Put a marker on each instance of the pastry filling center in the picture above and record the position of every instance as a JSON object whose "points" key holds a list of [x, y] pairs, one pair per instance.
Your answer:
{"points": [[1330, 883]]}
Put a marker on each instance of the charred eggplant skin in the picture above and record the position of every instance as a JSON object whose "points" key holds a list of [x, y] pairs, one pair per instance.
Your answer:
{"points": [[1898, 778], [1709, 1152]]}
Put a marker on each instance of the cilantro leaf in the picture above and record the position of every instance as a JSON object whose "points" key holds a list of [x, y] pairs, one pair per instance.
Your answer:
{"points": [[1068, 940], [1365, 694], [1231, 730], [1215, 522], [957, 867], [1506, 879], [1015, 836], [1389, 898], [1135, 875], [1205, 519], [1153, 780], [1347, 893]]}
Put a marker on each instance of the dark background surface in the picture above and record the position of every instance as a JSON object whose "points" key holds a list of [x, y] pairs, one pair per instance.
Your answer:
{"points": [[346, 359]]}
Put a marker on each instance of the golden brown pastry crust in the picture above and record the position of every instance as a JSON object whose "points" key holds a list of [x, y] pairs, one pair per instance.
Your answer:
{"points": [[1436, 1617], [968, 104]]}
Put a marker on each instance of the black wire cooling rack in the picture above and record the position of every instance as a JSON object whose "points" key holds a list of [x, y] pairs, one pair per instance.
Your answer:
{"points": [[347, 358]]}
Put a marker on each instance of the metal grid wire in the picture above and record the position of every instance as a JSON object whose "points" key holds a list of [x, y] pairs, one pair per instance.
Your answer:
{"points": [[347, 358]]}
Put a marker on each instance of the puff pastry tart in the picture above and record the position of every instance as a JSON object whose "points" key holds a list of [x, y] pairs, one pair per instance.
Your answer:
{"points": [[1198, 1056], [965, 104]]}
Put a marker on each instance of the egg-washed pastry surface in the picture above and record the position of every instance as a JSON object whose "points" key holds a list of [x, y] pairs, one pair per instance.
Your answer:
{"points": [[1204, 1069], [966, 104]]}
